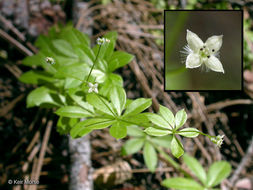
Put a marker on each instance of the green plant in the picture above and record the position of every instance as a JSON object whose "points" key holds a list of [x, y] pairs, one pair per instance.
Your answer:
{"points": [[141, 140], [217, 172], [79, 82], [247, 53]]}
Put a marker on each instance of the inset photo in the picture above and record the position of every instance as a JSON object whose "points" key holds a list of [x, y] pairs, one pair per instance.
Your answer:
{"points": [[203, 50]]}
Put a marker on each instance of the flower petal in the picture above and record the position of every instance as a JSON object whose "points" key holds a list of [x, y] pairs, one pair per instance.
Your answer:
{"points": [[96, 90], [214, 64], [194, 41], [90, 85], [193, 61], [214, 43]]}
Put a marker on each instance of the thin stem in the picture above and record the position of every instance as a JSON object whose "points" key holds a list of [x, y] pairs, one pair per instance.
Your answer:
{"points": [[94, 63]]}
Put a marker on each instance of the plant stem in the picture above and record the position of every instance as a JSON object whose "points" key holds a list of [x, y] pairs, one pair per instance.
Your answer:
{"points": [[94, 63]]}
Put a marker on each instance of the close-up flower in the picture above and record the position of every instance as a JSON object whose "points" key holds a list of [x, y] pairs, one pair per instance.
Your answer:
{"points": [[50, 60], [93, 87], [218, 140], [101, 41], [200, 53]]}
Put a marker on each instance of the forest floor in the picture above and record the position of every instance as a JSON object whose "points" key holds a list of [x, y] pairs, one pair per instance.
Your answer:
{"points": [[24, 132]]}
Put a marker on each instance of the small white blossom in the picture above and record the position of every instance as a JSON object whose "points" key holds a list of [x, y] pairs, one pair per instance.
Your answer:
{"points": [[218, 140], [93, 87], [101, 41], [199, 53], [50, 60]]}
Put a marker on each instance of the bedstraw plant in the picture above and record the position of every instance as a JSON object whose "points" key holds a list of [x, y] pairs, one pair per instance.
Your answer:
{"points": [[78, 81]]}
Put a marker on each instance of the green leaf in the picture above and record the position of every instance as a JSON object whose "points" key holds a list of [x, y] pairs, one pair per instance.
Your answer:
{"points": [[132, 146], [62, 60], [82, 38], [140, 119], [64, 48], [71, 83], [217, 172], [36, 77], [150, 156], [167, 115], [84, 127], [112, 36], [111, 80], [87, 51], [156, 132], [119, 59], [83, 57], [118, 130], [100, 103], [158, 120], [40, 96], [64, 124], [163, 141], [43, 42], [77, 71], [180, 118], [118, 98], [34, 60], [180, 183], [74, 36], [101, 65], [195, 167], [176, 147], [137, 106], [98, 75], [73, 112], [189, 132], [135, 131], [79, 99]]}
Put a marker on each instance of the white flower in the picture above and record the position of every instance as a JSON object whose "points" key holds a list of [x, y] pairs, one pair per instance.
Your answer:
{"points": [[93, 87], [101, 41], [199, 53], [50, 60], [218, 140]]}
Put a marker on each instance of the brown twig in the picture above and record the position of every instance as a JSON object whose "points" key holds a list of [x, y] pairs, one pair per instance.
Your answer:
{"points": [[42, 153], [223, 104], [10, 106], [16, 43], [11, 27], [14, 70], [248, 156]]}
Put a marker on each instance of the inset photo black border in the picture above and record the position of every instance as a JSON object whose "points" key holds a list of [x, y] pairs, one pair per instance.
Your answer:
{"points": [[215, 90]]}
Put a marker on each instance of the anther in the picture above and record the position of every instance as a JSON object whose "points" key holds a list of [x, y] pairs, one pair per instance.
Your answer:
{"points": [[212, 50], [208, 56]]}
